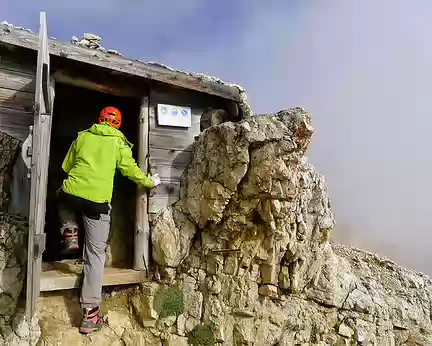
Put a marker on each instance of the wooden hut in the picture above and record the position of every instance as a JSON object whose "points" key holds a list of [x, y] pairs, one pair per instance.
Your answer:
{"points": [[50, 90]]}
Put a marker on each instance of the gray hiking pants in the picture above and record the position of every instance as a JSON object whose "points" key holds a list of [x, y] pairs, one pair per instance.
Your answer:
{"points": [[95, 243]]}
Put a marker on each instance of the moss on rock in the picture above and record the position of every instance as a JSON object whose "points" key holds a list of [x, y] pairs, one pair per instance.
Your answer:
{"points": [[201, 336], [168, 301]]}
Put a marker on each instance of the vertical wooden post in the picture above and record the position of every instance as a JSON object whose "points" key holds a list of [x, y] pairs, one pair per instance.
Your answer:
{"points": [[142, 227], [44, 98]]}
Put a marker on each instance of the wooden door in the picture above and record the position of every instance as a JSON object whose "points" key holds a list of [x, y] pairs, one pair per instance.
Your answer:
{"points": [[44, 96]]}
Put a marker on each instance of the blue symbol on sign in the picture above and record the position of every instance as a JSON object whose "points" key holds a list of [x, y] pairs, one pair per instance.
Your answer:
{"points": [[184, 112], [164, 110], [174, 112]]}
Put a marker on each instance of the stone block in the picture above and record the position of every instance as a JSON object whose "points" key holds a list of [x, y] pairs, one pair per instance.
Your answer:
{"points": [[284, 278], [175, 340], [144, 308], [181, 325], [214, 263], [231, 265], [346, 331], [172, 235], [167, 274], [118, 322], [140, 338], [268, 291], [149, 288], [269, 273]]}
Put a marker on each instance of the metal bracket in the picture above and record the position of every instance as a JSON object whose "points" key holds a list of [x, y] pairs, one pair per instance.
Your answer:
{"points": [[146, 266], [39, 244], [26, 151]]}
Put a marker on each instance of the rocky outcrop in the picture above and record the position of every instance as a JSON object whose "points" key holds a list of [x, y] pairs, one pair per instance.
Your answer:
{"points": [[7, 24], [93, 41], [14, 327], [213, 117], [173, 234], [13, 242], [260, 269], [255, 201], [8, 152]]}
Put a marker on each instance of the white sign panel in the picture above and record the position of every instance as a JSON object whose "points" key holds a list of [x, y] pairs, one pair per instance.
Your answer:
{"points": [[169, 115]]}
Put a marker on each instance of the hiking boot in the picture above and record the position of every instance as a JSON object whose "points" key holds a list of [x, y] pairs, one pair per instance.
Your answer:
{"points": [[70, 242], [91, 321]]}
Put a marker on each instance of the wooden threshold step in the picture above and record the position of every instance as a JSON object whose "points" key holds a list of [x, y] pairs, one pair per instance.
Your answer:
{"points": [[54, 280]]}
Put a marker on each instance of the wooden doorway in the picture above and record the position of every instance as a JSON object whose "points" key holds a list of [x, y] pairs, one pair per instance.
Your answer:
{"points": [[77, 109]]}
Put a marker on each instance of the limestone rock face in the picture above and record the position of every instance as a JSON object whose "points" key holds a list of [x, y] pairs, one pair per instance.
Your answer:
{"points": [[14, 327], [13, 257], [260, 269], [8, 152], [247, 189], [172, 235]]}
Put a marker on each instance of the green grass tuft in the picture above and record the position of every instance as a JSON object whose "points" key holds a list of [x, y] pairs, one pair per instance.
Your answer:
{"points": [[168, 301], [201, 336]]}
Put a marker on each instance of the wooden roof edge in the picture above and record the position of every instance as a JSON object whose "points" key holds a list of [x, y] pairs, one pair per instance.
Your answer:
{"points": [[151, 70]]}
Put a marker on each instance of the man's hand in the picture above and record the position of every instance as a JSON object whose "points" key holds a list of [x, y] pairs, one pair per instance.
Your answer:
{"points": [[155, 179]]}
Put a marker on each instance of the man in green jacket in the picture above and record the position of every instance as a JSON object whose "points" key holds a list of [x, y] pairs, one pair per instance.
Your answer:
{"points": [[90, 165]]}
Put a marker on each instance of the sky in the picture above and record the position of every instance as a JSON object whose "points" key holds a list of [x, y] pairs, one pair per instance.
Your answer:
{"points": [[362, 68]]}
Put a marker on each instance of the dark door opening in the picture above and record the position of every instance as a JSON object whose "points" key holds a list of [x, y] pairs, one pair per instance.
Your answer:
{"points": [[76, 109]]}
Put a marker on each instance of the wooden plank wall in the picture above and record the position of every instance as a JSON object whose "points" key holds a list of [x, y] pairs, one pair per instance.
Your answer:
{"points": [[170, 148], [17, 87]]}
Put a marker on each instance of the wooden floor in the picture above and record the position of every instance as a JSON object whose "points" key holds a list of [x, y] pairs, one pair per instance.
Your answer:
{"points": [[66, 274]]}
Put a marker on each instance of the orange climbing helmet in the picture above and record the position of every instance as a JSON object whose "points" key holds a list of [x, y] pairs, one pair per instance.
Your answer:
{"points": [[112, 116]]}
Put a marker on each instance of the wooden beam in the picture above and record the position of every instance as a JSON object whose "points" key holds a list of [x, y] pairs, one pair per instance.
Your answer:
{"points": [[15, 118], [106, 86], [142, 228], [54, 280], [20, 134], [14, 62], [170, 157], [20, 100], [16, 80], [94, 57]]}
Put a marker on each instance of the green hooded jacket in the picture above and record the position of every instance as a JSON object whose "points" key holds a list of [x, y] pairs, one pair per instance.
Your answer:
{"points": [[92, 160]]}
